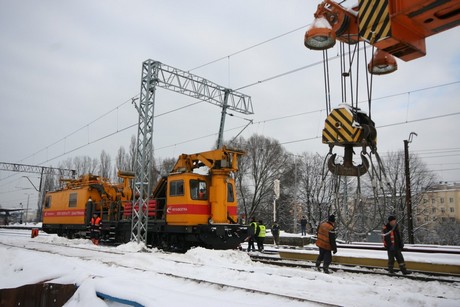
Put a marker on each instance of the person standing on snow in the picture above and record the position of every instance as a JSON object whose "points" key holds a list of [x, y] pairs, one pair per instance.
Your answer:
{"points": [[261, 236], [95, 229], [326, 243], [393, 244], [303, 225], [252, 229], [276, 233]]}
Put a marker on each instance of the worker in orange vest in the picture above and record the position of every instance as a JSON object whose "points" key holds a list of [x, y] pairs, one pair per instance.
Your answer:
{"points": [[326, 243], [394, 244], [95, 228]]}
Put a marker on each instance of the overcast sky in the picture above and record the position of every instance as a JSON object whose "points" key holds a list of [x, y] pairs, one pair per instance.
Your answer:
{"points": [[69, 70]]}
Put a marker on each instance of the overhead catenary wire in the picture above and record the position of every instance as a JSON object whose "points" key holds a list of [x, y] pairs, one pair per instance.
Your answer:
{"points": [[195, 103], [248, 48], [258, 122], [240, 88], [81, 128]]}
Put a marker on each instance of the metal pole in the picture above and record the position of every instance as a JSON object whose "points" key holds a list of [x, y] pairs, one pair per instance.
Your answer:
{"points": [[27, 209], [40, 196], [220, 138], [410, 225], [274, 210]]}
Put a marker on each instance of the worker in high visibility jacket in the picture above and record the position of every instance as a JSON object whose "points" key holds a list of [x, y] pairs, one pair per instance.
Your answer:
{"points": [[394, 244], [261, 236], [252, 231], [95, 229], [326, 243]]}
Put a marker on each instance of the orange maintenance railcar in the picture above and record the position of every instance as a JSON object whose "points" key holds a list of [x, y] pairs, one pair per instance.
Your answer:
{"points": [[68, 211], [195, 205]]}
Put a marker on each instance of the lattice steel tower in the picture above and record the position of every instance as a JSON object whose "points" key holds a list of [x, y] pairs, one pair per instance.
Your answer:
{"points": [[156, 74]]}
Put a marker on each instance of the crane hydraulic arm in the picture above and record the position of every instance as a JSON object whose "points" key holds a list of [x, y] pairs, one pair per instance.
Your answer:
{"points": [[219, 159], [398, 27]]}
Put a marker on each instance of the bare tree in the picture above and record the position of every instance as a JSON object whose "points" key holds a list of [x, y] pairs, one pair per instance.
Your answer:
{"points": [[264, 162], [105, 168], [166, 165], [315, 188], [81, 164], [421, 180], [132, 152]]}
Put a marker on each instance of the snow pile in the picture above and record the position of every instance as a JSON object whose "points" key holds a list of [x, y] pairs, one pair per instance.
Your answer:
{"points": [[218, 257], [167, 279], [55, 239], [131, 247]]}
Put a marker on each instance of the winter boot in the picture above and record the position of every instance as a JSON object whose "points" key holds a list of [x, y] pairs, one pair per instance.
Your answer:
{"points": [[326, 271], [317, 264], [391, 270], [404, 270]]}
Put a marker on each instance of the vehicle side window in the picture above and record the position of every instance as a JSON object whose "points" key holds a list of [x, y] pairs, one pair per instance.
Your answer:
{"points": [[198, 189], [73, 200], [48, 202], [176, 188], [230, 193]]}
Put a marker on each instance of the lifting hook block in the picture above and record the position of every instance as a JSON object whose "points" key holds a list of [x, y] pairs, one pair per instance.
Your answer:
{"points": [[347, 168]]}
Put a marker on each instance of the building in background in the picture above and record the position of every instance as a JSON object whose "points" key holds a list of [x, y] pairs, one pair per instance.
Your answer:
{"points": [[441, 203]]}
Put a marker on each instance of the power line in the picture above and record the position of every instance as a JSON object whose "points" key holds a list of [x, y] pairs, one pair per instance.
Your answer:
{"points": [[454, 163], [243, 87], [286, 73], [443, 156], [299, 140], [248, 48], [414, 91], [79, 129], [418, 120], [131, 99], [263, 121], [445, 170]]}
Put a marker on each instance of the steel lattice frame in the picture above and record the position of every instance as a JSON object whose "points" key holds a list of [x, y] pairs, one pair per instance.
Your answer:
{"points": [[144, 151], [24, 168], [156, 74], [15, 167]]}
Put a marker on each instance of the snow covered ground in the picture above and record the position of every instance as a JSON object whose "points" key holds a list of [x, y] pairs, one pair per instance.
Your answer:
{"points": [[155, 278]]}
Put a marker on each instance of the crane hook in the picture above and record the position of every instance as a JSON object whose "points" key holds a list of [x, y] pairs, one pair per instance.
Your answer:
{"points": [[347, 168]]}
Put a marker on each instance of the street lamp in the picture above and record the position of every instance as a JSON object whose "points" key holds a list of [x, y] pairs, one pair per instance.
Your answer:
{"points": [[410, 224]]}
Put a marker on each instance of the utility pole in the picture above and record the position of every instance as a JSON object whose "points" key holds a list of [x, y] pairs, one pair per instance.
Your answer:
{"points": [[410, 224]]}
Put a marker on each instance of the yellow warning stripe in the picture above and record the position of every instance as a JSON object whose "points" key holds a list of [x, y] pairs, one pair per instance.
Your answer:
{"points": [[339, 128], [374, 20]]}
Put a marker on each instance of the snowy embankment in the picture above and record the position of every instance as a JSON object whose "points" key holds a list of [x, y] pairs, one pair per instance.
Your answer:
{"points": [[155, 278]]}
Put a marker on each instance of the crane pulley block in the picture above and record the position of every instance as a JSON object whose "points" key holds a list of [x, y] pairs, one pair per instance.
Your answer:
{"points": [[349, 127], [346, 125]]}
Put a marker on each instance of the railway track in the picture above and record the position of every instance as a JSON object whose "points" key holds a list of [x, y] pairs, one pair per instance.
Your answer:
{"points": [[420, 276], [168, 274]]}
